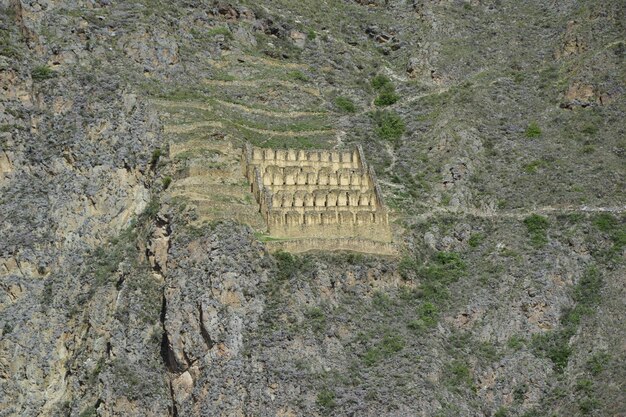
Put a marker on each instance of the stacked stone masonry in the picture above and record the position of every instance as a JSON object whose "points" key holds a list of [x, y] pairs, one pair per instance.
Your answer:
{"points": [[318, 196]]}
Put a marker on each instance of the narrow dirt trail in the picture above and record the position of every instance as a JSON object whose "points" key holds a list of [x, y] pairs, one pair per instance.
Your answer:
{"points": [[515, 214]]}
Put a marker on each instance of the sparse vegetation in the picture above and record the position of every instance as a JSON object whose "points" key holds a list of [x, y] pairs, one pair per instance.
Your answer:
{"points": [[156, 154], [501, 412], [326, 399], [533, 130], [475, 240], [555, 344], [389, 125], [537, 227], [427, 314], [598, 362], [458, 374], [345, 104], [42, 72], [298, 76], [380, 81], [316, 319], [219, 30], [515, 342], [389, 345], [166, 182]]}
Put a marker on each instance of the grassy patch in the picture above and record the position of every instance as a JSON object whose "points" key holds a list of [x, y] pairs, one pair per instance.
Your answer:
{"points": [[501, 412], [533, 166], [476, 239], [598, 363], [607, 223], [315, 319], [326, 399], [458, 374], [380, 81], [219, 30], [345, 105], [532, 130], [298, 76], [428, 315], [42, 72], [389, 345], [537, 229], [515, 342]]}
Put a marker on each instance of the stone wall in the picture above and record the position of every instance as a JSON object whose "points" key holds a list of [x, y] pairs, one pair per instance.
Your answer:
{"points": [[334, 244], [317, 195]]}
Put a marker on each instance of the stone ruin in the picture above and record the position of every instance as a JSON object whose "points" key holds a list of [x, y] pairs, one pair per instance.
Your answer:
{"points": [[318, 199]]}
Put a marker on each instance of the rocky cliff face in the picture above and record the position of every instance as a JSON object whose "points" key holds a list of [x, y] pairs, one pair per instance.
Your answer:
{"points": [[496, 132]]}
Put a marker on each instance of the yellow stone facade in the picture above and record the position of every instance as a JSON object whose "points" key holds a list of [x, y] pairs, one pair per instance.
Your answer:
{"points": [[322, 199]]}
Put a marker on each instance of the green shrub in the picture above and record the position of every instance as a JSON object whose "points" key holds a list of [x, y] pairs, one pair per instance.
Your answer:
{"points": [[515, 342], [298, 76], [380, 81], [458, 374], [555, 344], [519, 393], [448, 266], [537, 229], [381, 301], [598, 362], [326, 399], [502, 412], [156, 154], [389, 345], [532, 130], [220, 30], [389, 125], [89, 412], [605, 222], [345, 105], [428, 315], [587, 291], [533, 166], [289, 265], [316, 319], [407, 267], [475, 240], [42, 72], [387, 96], [589, 129], [151, 210], [166, 182], [584, 385], [587, 405], [311, 35]]}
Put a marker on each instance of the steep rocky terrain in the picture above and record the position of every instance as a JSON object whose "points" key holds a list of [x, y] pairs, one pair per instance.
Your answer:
{"points": [[134, 280]]}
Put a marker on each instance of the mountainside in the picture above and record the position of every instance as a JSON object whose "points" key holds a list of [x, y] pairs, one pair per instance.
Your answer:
{"points": [[134, 274]]}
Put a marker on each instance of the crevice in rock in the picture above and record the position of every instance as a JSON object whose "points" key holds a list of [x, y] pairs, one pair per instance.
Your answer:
{"points": [[168, 357], [166, 352], [174, 409], [205, 335]]}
